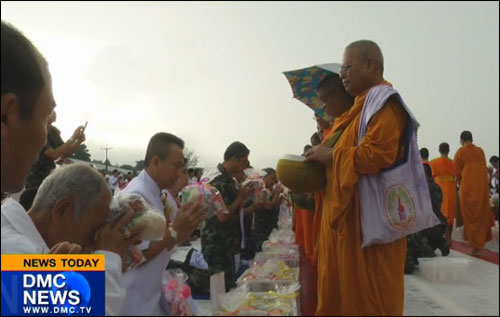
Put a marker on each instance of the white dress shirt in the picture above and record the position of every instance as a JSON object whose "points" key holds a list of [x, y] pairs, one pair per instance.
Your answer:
{"points": [[144, 283]]}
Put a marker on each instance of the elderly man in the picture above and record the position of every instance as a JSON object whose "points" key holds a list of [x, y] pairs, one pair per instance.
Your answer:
{"points": [[472, 175], [72, 205], [354, 280]]}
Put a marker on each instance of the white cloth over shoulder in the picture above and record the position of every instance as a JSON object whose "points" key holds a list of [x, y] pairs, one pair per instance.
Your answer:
{"points": [[19, 235]]}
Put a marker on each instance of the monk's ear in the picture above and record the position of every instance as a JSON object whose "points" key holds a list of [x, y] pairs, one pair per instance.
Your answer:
{"points": [[9, 111], [63, 210]]}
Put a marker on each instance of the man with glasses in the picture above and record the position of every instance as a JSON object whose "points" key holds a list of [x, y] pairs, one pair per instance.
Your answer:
{"points": [[354, 280], [163, 165]]}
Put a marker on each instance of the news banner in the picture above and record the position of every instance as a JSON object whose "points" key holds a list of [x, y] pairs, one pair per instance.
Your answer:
{"points": [[53, 285]]}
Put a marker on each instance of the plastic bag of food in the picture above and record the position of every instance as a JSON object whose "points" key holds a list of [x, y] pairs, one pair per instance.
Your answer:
{"points": [[144, 214], [209, 197]]}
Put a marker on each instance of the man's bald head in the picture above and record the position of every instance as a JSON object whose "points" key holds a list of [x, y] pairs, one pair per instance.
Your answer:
{"points": [[368, 50], [362, 66]]}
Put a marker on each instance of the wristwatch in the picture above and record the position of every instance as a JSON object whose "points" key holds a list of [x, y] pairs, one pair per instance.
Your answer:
{"points": [[173, 233]]}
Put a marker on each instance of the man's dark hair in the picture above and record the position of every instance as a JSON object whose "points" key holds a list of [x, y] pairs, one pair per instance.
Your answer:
{"points": [[466, 136], [270, 170], [316, 137], [190, 170], [424, 153], [159, 145], [237, 150], [444, 148], [21, 70], [27, 197], [307, 147], [494, 159]]}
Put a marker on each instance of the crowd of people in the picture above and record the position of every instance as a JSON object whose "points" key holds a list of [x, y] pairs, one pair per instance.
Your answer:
{"points": [[70, 206]]}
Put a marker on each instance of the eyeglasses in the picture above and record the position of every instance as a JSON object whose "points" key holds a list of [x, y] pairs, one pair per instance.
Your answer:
{"points": [[345, 68]]}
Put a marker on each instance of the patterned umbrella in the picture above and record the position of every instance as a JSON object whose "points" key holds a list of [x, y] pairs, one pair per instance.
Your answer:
{"points": [[304, 81]]}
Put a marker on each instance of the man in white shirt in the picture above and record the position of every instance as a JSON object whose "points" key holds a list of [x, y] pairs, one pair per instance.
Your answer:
{"points": [[163, 164], [72, 205], [27, 103], [113, 181]]}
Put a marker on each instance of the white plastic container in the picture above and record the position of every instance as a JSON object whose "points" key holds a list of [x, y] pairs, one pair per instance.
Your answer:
{"points": [[264, 285], [444, 269], [294, 303], [292, 259]]}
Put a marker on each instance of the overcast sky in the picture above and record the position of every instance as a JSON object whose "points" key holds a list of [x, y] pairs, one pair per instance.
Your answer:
{"points": [[211, 72]]}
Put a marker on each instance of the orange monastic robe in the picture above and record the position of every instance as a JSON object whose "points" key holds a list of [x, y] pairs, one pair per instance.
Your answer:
{"points": [[307, 221], [443, 171], [472, 173], [303, 231], [318, 200], [351, 280], [299, 226]]}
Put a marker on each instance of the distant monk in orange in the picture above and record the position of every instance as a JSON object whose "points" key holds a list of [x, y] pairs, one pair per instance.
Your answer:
{"points": [[352, 280], [443, 171], [472, 176]]}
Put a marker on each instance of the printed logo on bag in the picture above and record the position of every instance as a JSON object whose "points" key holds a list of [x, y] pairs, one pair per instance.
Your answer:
{"points": [[52, 285], [399, 207]]}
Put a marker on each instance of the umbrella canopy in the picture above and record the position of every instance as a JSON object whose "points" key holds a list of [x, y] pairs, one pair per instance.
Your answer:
{"points": [[304, 81]]}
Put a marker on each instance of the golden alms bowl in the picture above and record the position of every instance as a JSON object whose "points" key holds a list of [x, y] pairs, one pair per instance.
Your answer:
{"points": [[300, 176]]}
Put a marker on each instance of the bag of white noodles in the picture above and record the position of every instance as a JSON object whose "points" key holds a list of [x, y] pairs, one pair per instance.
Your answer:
{"points": [[154, 223], [210, 199]]}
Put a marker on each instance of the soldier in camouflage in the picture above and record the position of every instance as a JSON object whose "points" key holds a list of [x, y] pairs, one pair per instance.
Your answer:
{"points": [[422, 244], [221, 235]]}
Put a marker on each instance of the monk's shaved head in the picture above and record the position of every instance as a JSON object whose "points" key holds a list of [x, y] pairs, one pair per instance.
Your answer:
{"points": [[362, 66], [368, 50]]}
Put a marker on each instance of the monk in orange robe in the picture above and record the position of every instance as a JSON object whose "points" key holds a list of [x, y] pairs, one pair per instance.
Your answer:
{"points": [[303, 221], [352, 280], [472, 175], [326, 87], [443, 171]]}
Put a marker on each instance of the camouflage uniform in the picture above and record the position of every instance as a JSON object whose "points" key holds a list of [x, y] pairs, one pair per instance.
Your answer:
{"points": [[220, 242], [264, 222], [44, 165], [422, 244]]}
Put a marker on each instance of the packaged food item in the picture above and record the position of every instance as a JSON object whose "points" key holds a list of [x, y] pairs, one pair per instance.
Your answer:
{"points": [[154, 223], [209, 197]]}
